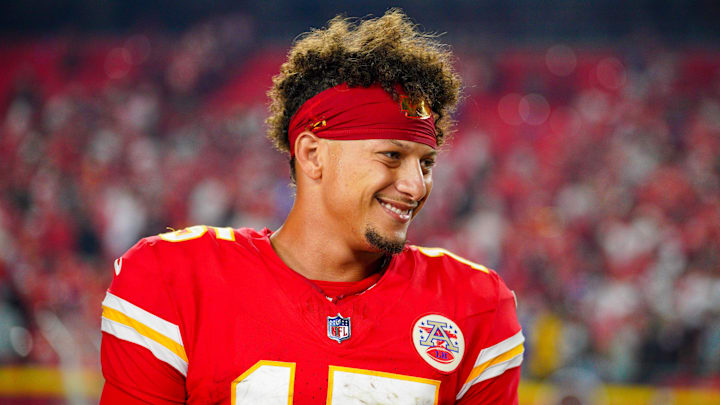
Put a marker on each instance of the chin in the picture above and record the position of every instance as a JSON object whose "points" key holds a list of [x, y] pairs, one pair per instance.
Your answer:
{"points": [[390, 246]]}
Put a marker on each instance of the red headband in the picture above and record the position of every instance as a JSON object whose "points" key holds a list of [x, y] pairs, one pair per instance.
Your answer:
{"points": [[350, 113]]}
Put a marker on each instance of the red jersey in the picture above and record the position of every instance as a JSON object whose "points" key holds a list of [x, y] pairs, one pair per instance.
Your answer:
{"points": [[212, 315]]}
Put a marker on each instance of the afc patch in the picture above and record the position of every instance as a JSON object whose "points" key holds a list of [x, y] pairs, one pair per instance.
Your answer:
{"points": [[338, 328], [439, 341]]}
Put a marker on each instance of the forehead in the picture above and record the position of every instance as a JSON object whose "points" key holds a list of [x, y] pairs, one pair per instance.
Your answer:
{"points": [[392, 144]]}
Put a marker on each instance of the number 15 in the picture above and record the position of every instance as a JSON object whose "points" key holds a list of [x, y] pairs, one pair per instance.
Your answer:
{"points": [[271, 383]]}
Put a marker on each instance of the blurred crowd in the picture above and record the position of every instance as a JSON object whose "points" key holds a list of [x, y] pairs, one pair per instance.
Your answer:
{"points": [[588, 177]]}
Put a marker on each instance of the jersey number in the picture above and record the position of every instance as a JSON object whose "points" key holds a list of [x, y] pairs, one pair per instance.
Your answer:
{"points": [[271, 383]]}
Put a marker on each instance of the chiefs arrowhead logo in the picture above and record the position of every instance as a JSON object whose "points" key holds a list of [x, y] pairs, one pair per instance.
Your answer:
{"points": [[417, 110], [118, 266]]}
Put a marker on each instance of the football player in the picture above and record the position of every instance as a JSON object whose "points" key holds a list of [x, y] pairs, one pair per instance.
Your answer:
{"points": [[333, 307]]}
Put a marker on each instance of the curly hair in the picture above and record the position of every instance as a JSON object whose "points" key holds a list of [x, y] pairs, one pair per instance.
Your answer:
{"points": [[387, 50]]}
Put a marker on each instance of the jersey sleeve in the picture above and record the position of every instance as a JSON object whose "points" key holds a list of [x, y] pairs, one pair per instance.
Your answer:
{"points": [[142, 352], [495, 375]]}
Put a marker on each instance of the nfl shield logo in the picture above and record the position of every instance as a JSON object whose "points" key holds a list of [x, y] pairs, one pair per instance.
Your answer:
{"points": [[338, 328]]}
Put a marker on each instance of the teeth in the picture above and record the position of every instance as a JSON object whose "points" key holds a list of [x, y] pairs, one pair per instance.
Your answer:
{"points": [[403, 213]]}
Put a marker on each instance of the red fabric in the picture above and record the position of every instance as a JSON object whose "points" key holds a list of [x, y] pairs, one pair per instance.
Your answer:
{"points": [[236, 303], [335, 289], [151, 381], [501, 390], [351, 113]]}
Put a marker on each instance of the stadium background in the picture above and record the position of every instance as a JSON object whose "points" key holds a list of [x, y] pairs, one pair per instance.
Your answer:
{"points": [[585, 169]]}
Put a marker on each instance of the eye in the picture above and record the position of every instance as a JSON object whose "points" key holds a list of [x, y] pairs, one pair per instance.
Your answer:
{"points": [[391, 154], [427, 164]]}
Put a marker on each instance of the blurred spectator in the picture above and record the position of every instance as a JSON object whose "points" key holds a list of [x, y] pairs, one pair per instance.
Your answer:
{"points": [[590, 179]]}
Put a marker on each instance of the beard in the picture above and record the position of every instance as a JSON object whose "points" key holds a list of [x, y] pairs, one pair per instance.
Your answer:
{"points": [[383, 244]]}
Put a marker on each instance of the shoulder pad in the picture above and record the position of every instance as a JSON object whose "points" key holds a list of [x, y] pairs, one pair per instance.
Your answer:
{"points": [[451, 257]]}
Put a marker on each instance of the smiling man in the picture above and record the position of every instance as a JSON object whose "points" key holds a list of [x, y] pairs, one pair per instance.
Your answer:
{"points": [[333, 307]]}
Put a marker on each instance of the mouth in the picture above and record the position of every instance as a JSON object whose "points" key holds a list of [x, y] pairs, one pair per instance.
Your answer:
{"points": [[399, 211]]}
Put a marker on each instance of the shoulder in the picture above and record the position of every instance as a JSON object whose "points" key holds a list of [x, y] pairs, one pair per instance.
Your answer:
{"points": [[485, 309], [459, 276], [176, 263], [447, 259], [199, 235], [439, 262], [167, 255], [197, 240]]}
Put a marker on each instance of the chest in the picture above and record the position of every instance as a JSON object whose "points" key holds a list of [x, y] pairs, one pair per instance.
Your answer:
{"points": [[259, 343]]}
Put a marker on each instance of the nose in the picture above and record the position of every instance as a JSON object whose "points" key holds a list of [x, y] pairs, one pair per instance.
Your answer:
{"points": [[411, 181]]}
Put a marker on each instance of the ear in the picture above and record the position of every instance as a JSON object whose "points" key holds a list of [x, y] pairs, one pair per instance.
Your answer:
{"points": [[307, 155]]}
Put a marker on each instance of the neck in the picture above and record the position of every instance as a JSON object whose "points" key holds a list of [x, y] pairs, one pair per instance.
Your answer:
{"points": [[304, 246]]}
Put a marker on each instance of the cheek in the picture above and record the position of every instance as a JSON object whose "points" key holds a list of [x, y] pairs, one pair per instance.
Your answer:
{"points": [[428, 188], [428, 185], [343, 187], [348, 183], [338, 175]]}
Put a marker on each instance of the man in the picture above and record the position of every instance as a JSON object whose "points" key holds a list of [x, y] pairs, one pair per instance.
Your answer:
{"points": [[333, 307]]}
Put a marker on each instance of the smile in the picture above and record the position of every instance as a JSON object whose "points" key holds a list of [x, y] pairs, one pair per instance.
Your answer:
{"points": [[399, 213]]}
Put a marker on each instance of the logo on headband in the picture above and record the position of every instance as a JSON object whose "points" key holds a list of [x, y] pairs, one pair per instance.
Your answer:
{"points": [[418, 110]]}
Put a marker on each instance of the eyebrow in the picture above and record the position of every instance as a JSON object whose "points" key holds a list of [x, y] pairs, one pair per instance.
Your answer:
{"points": [[399, 144]]}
